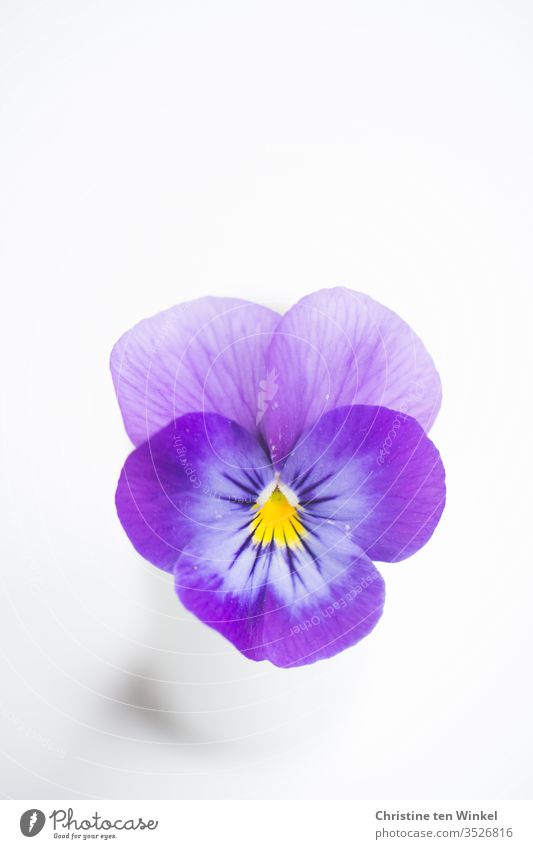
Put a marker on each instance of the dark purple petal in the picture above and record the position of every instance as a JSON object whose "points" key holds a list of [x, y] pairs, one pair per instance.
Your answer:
{"points": [[337, 347], [199, 475], [289, 622], [374, 473], [203, 356]]}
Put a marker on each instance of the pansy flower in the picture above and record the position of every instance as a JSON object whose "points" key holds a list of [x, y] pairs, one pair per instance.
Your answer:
{"points": [[276, 458]]}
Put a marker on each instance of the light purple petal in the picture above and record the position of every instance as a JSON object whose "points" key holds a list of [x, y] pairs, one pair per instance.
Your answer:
{"points": [[375, 474], [202, 356], [337, 347]]}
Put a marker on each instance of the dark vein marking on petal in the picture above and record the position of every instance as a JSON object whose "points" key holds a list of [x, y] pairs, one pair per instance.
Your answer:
{"points": [[313, 557], [258, 554], [244, 545], [254, 479], [246, 525], [320, 500], [292, 564], [307, 528], [296, 483], [239, 484], [315, 485]]}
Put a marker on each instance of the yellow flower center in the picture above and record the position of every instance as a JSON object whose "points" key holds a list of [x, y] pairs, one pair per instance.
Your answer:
{"points": [[277, 519]]}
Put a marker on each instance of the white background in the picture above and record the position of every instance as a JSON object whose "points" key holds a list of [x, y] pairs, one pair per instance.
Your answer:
{"points": [[152, 152]]}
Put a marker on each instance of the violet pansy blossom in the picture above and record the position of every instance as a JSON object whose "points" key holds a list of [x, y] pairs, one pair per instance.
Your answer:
{"points": [[276, 458]]}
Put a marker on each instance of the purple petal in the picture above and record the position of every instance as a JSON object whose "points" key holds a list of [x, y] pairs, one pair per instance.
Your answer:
{"points": [[203, 356], [289, 624], [193, 477], [186, 500], [374, 473], [337, 347]]}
